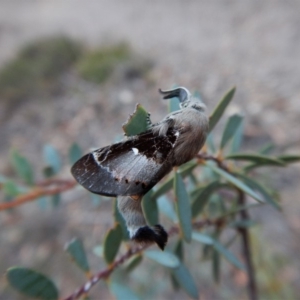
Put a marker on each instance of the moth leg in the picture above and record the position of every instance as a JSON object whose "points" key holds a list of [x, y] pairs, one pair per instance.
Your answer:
{"points": [[139, 231]]}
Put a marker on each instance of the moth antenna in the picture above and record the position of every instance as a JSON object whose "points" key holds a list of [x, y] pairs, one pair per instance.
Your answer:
{"points": [[181, 93]]}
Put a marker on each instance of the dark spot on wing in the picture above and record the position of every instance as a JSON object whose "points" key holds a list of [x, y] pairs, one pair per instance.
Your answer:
{"points": [[126, 181]]}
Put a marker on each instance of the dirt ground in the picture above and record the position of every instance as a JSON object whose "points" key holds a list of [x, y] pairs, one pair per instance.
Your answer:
{"points": [[205, 45]]}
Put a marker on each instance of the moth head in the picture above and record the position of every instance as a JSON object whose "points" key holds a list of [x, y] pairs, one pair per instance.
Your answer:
{"points": [[181, 93], [185, 98]]}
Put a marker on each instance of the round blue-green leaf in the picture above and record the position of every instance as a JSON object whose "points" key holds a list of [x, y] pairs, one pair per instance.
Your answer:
{"points": [[122, 291], [183, 207], [167, 208], [202, 238], [150, 208], [165, 258], [186, 281], [75, 153], [52, 158], [231, 127], [76, 250], [10, 188], [179, 249], [120, 220], [112, 243], [203, 195], [228, 255], [260, 188], [98, 250], [22, 167], [32, 283], [133, 263]]}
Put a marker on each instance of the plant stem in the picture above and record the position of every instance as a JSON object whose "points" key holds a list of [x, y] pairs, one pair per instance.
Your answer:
{"points": [[246, 249]]}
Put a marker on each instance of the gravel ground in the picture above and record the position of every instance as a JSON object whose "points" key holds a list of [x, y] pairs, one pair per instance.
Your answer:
{"points": [[205, 45]]}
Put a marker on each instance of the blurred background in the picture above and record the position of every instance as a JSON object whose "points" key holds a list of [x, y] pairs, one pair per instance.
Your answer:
{"points": [[74, 70]]}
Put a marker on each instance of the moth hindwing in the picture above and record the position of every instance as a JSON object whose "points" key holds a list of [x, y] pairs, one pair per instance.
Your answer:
{"points": [[131, 167]]}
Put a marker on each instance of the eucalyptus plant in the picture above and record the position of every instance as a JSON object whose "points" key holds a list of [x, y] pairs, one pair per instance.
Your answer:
{"points": [[201, 200]]}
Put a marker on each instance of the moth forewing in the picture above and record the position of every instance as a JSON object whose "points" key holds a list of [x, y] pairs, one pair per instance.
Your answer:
{"points": [[131, 167]]}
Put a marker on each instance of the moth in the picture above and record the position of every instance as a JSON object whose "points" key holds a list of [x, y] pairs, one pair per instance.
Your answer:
{"points": [[129, 169]]}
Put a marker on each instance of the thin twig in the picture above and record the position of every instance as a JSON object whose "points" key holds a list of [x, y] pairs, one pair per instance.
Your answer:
{"points": [[131, 251], [219, 162], [45, 188], [246, 248]]}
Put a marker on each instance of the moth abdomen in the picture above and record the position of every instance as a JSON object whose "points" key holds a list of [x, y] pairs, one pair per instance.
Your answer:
{"points": [[155, 234]]}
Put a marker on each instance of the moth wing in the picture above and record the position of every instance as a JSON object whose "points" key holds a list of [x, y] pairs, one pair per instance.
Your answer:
{"points": [[132, 167]]}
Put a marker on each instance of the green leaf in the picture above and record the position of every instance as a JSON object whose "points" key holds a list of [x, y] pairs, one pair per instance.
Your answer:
{"points": [[179, 250], [236, 182], [10, 188], [122, 291], [183, 207], [175, 284], [186, 281], [112, 243], [52, 158], [202, 238], [98, 250], [289, 158], [3, 179], [267, 148], [32, 283], [120, 220], [208, 240], [75, 153], [165, 258], [133, 263], [22, 167], [219, 110], [231, 127], [96, 199], [259, 188], [242, 224], [150, 208], [56, 199], [187, 168], [200, 199], [163, 188], [210, 143], [184, 170], [137, 122], [43, 202], [228, 255], [216, 266], [48, 171], [258, 159], [166, 207], [237, 138], [76, 250]]}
